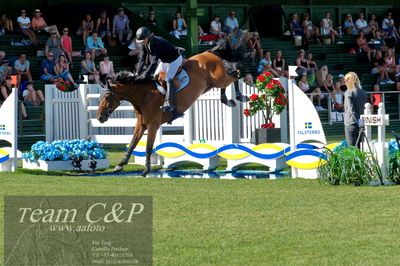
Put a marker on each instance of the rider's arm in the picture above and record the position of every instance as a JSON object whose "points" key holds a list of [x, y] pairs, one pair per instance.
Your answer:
{"points": [[142, 57], [152, 66]]}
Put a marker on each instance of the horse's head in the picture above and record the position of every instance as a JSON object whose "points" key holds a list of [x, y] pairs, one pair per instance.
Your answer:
{"points": [[109, 101]]}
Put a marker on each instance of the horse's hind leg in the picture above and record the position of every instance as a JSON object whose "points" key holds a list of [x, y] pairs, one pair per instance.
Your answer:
{"points": [[224, 99], [239, 96], [151, 136], [137, 135]]}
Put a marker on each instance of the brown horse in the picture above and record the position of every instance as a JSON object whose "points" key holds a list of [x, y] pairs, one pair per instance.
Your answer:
{"points": [[206, 71]]}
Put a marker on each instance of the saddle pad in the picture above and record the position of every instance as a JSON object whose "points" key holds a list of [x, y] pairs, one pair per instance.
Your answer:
{"points": [[183, 79]]}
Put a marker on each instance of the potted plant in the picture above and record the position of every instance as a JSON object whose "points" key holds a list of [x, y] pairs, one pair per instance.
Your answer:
{"points": [[271, 100]]}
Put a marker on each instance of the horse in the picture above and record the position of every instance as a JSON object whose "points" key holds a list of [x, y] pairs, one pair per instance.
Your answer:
{"points": [[206, 71]]}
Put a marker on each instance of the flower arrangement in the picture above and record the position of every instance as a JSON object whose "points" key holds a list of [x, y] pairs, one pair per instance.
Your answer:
{"points": [[270, 101], [64, 150], [65, 86]]}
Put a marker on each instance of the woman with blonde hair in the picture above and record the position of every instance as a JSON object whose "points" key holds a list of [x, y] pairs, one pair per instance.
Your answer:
{"points": [[354, 100]]}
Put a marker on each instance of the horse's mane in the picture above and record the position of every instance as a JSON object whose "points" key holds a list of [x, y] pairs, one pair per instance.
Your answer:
{"points": [[234, 49], [124, 77]]}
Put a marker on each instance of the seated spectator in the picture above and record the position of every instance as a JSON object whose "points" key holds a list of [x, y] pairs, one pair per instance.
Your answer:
{"points": [[152, 18], [373, 24], [31, 96], [388, 26], [363, 45], [266, 65], [338, 99], [327, 27], [61, 69], [53, 44], [379, 42], [47, 69], [140, 14], [9, 61], [341, 84], [378, 67], [231, 24], [89, 68], [5, 91], [103, 27], [6, 24], [24, 23], [5, 70], [95, 45], [311, 63], [279, 65], [305, 87], [248, 79], [179, 25], [215, 27], [121, 27], [328, 86], [66, 46], [39, 24], [107, 68], [22, 69], [302, 64], [295, 26], [310, 29], [349, 26], [390, 62], [376, 97], [86, 28], [362, 25], [254, 44]]}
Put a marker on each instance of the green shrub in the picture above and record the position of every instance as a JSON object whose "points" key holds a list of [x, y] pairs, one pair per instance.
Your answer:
{"points": [[394, 167], [348, 166]]}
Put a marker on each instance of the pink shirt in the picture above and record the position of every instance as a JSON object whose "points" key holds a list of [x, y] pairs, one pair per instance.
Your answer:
{"points": [[66, 43]]}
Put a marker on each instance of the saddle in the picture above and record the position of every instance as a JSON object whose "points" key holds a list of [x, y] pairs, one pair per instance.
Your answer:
{"points": [[181, 80]]}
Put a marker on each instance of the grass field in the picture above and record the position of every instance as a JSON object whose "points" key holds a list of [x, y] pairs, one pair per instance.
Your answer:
{"points": [[247, 222]]}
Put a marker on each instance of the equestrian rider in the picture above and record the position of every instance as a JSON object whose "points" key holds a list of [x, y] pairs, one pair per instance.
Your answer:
{"points": [[167, 57]]}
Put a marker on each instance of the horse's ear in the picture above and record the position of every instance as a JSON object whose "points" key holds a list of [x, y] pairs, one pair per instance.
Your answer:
{"points": [[109, 86]]}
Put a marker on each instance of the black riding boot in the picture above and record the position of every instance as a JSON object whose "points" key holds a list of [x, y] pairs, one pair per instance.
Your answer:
{"points": [[169, 104]]}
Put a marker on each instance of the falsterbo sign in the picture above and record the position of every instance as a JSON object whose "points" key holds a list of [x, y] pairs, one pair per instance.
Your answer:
{"points": [[77, 230]]}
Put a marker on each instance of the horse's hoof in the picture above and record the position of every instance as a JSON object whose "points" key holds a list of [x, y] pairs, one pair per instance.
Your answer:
{"points": [[231, 103], [118, 169], [242, 98], [144, 174]]}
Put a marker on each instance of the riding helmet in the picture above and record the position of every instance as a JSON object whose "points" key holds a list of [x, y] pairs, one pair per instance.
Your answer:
{"points": [[142, 33]]}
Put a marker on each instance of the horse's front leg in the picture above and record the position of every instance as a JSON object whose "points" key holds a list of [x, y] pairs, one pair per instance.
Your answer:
{"points": [[224, 99], [239, 96], [151, 136], [137, 135]]}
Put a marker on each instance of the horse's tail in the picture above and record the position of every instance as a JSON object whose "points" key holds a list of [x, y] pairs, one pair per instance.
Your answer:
{"points": [[233, 49]]}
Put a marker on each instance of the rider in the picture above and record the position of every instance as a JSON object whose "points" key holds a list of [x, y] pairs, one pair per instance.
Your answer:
{"points": [[170, 59]]}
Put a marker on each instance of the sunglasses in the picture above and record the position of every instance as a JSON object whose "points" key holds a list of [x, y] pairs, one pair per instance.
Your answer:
{"points": [[232, 14], [65, 30], [50, 55], [54, 33]]}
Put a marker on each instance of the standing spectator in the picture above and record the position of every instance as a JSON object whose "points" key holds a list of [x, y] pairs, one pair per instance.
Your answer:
{"points": [[388, 26], [390, 62], [215, 27], [248, 79], [362, 25], [349, 26], [61, 69], [152, 18], [33, 97], [327, 27], [255, 46], [363, 45], [6, 24], [231, 24], [337, 98], [121, 26], [309, 28], [22, 69], [376, 97], [53, 44], [103, 26], [107, 68], [378, 67], [39, 24], [295, 25], [5, 91], [95, 45], [279, 64], [86, 28], [354, 100], [302, 64], [89, 68], [24, 23], [266, 65], [47, 69], [179, 25]]}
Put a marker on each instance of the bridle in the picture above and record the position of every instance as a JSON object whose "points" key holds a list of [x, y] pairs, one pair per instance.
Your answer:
{"points": [[109, 90]]}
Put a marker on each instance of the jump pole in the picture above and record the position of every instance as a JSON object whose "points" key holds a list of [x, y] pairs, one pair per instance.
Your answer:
{"points": [[292, 75]]}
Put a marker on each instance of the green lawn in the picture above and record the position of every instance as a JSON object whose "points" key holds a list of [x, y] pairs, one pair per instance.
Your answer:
{"points": [[247, 222]]}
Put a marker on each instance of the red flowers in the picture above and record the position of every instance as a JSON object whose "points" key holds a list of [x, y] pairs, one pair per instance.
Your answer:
{"points": [[246, 112], [261, 78], [270, 86], [254, 97], [269, 125], [278, 101]]}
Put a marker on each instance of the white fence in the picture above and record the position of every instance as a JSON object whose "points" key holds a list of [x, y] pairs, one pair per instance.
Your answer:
{"points": [[72, 115]]}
